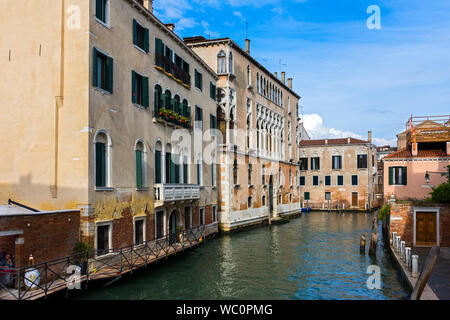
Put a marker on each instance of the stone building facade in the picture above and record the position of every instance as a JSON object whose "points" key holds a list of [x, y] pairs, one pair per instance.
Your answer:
{"points": [[339, 174], [258, 122], [107, 91]]}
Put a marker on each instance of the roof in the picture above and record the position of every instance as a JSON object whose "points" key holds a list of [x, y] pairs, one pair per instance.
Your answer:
{"points": [[340, 141], [406, 153], [200, 40], [10, 210]]}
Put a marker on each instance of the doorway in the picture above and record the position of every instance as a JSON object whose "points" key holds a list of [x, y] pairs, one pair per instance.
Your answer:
{"points": [[271, 195], [173, 227], [426, 228], [354, 199], [159, 224]]}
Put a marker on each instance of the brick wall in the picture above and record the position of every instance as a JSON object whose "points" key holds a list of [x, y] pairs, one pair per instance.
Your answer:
{"points": [[48, 236], [402, 222]]}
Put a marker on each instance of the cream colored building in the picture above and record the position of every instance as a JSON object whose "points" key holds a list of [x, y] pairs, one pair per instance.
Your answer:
{"points": [[258, 119], [85, 95], [339, 174]]}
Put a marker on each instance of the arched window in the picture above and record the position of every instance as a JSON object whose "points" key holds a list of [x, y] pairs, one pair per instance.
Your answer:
{"points": [[249, 76], [102, 159], [158, 162], [186, 111], [177, 106], [168, 100], [169, 165], [235, 172], [221, 62], [248, 130], [249, 174], [258, 132], [230, 63], [158, 99], [140, 164]]}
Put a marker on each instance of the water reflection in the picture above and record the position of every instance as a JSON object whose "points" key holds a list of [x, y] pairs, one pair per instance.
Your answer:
{"points": [[312, 257]]}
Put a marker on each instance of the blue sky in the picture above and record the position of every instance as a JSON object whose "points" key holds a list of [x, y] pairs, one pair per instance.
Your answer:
{"points": [[351, 79]]}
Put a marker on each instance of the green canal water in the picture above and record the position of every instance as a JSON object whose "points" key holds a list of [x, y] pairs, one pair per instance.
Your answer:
{"points": [[315, 256]]}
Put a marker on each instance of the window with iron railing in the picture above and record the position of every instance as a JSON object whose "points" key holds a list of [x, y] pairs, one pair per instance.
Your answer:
{"points": [[168, 61]]}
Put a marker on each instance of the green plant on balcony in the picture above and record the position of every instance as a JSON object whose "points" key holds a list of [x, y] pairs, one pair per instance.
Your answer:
{"points": [[172, 116]]}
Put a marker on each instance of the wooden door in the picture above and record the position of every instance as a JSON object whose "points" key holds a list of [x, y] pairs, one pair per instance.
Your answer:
{"points": [[426, 228], [159, 224], [354, 199]]}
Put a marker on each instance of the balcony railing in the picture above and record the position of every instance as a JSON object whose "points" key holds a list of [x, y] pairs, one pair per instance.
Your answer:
{"points": [[176, 192], [170, 67]]}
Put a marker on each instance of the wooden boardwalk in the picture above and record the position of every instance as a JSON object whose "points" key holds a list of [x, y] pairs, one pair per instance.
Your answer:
{"points": [[110, 266]]}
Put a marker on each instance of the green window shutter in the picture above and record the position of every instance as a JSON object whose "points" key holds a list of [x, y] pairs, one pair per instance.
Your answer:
{"points": [[133, 87], [172, 170], [404, 176], [185, 172], [145, 97], [139, 168], [99, 9], [157, 166], [211, 121], [177, 169], [391, 176], [109, 74], [159, 46], [135, 34], [95, 68], [306, 195], [100, 165], [146, 40]]}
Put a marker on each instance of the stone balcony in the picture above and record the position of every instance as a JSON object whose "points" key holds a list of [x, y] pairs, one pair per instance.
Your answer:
{"points": [[175, 192]]}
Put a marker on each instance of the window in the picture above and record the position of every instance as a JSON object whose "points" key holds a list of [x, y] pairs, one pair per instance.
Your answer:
{"points": [[102, 10], [158, 99], [167, 100], [263, 201], [139, 94], [200, 173], [103, 71], [212, 91], [187, 218], [362, 161], [158, 155], [102, 155], [340, 180], [186, 109], [327, 195], [307, 196], [198, 80], [302, 181], [140, 36], [354, 180], [221, 62], [249, 76], [235, 172], [249, 174], [103, 238], [198, 118], [212, 121], [328, 180], [140, 165], [398, 176], [315, 180], [337, 162], [202, 216], [214, 214], [185, 171], [263, 175], [315, 163], [230, 63], [139, 231], [303, 164], [249, 202]]}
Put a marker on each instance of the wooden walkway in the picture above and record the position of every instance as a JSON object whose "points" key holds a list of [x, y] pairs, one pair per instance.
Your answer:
{"points": [[110, 266]]}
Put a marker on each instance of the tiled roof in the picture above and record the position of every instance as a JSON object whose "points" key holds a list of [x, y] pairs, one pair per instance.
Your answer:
{"points": [[321, 142], [406, 153]]}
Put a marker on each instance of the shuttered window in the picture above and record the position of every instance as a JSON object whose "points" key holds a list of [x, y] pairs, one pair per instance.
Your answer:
{"points": [[158, 176], [398, 176], [212, 91], [102, 71], [213, 121], [315, 163], [362, 161], [303, 163], [101, 10], [315, 180], [340, 180], [100, 164], [139, 169], [302, 181], [140, 36], [198, 117], [307, 197], [328, 180], [139, 89], [354, 180], [198, 80]]}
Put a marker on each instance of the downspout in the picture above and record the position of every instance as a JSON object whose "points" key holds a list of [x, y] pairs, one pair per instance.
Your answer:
{"points": [[59, 100]]}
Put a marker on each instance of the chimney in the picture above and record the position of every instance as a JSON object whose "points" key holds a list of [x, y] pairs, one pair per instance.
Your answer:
{"points": [[326, 141], [370, 137], [171, 26], [290, 83], [276, 75], [283, 77], [247, 46], [148, 4], [414, 149], [348, 140]]}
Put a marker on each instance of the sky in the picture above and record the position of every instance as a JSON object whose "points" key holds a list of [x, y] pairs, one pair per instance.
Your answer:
{"points": [[352, 79]]}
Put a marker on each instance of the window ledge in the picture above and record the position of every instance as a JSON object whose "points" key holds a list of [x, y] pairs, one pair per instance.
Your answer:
{"points": [[102, 91], [141, 107], [104, 189], [237, 186], [142, 189], [140, 49], [106, 25]]}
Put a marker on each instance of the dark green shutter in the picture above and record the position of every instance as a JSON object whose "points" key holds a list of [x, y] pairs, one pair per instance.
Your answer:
{"points": [[95, 68], [157, 166], [145, 97], [139, 168], [172, 170], [159, 46], [404, 176], [135, 33], [133, 87], [109, 74], [185, 172], [391, 176], [99, 9], [146, 40], [177, 169], [100, 165]]}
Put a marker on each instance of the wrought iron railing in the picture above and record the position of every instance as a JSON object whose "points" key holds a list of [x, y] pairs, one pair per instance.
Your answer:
{"points": [[170, 67], [40, 280]]}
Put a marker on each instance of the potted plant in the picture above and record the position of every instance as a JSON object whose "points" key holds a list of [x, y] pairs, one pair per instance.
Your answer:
{"points": [[82, 253]]}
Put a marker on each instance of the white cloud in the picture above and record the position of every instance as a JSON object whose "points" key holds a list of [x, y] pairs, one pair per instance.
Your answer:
{"points": [[239, 15], [207, 31], [314, 126]]}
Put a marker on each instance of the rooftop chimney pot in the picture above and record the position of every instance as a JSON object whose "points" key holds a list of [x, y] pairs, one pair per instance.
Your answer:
{"points": [[148, 4], [290, 83], [247, 46], [276, 75], [283, 77]]}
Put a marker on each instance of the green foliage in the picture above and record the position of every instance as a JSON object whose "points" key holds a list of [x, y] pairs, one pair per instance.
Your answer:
{"points": [[441, 193], [82, 247], [384, 212]]}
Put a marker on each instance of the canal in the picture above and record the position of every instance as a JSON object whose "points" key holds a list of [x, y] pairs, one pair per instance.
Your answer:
{"points": [[315, 256]]}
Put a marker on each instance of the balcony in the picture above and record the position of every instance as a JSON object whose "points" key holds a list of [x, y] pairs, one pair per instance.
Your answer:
{"points": [[169, 116], [171, 69], [175, 192]]}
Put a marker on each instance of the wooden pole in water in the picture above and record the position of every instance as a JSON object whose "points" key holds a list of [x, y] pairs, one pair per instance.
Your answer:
{"points": [[426, 272], [374, 238], [362, 244]]}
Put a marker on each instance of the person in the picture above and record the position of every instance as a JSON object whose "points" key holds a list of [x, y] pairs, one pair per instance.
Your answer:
{"points": [[6, 275], [9, 263]]}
